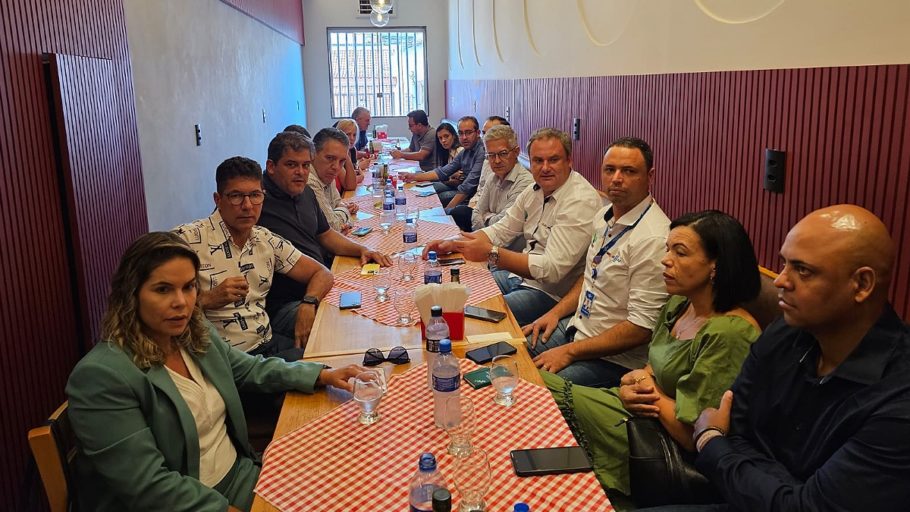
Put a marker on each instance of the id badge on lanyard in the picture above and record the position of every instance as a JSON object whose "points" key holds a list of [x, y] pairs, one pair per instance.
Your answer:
{"points": [[587, 304]]}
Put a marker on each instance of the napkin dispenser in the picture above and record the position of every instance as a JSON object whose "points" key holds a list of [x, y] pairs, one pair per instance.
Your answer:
{"points": [[452, 297]]}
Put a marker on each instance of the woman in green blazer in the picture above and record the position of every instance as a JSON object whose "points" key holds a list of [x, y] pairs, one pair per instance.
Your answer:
{"points": [[139, 441]]}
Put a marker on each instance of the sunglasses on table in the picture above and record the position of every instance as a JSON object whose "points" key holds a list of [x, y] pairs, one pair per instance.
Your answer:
{"points": [[374, 356]]}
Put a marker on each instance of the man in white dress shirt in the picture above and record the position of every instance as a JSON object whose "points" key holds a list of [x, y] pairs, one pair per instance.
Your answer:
{"points": [[614, 305], [331, 152], [553, 216]]}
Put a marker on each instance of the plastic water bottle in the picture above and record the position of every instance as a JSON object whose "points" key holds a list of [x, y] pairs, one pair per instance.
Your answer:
{"points": [[446, 381], [425, 481], [387, 217], [409, 235], [436, 330], [401, 202], [432, 274]]}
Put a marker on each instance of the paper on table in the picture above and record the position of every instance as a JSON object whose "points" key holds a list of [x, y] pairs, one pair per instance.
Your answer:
{"points": [[489, 337]]}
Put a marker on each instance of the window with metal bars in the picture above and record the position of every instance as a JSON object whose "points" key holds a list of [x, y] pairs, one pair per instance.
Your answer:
{"points": [[384, 70]]}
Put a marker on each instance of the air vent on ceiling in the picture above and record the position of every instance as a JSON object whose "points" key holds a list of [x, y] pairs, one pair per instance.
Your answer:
{"points": [[364, 9]]}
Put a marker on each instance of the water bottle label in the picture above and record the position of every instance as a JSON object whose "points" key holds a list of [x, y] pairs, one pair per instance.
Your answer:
{"points": [[432, 345], [388, 206], [410, 238], [432, 276], [446, 384], [401, 201]]}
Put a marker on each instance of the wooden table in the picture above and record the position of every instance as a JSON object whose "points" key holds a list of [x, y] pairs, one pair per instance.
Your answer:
{"points": [[347, 336]]}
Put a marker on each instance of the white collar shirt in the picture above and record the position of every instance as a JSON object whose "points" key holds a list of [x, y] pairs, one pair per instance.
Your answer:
{"points": [[629, 284], [329, 201], [557, 230], [243, 324], [497, 195]]}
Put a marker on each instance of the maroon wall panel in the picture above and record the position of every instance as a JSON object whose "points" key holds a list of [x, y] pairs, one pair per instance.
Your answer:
{"points": [[40, 338], [845, 131], [285, 16]]}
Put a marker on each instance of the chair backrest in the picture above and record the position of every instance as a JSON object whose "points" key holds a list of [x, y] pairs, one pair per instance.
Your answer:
{"points": [[54, 446], [764, 308]]}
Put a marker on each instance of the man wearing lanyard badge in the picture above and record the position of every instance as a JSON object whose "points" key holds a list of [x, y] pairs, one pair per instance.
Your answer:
{"points": [[600, 329]]}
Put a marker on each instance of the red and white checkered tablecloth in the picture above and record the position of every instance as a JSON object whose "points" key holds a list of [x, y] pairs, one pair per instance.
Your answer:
{"points": [[334, 463], [392, 242], [478, 280]]}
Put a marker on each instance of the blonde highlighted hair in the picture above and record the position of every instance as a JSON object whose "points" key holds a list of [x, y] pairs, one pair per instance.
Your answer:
{"points": [[122, 325]]}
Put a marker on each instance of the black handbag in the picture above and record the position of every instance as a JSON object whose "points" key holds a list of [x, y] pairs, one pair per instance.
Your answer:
{"points": [[660, 472]]}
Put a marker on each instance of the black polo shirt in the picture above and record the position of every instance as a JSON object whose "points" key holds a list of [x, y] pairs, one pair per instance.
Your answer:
{"points": [[299, 220], [800, 442]]}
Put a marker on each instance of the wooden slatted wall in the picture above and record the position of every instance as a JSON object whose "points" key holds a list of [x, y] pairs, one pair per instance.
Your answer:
{"points": [[39, 340], [284, 16], [845, 131]]}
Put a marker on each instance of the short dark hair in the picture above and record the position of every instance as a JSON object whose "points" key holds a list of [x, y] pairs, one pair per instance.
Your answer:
{"points": [[724, 239], [551, 133], [289, 140], [635, 143], [500, 120], [299, 129], [419, 117], [470, 118], [326, 134], [236, 167]]}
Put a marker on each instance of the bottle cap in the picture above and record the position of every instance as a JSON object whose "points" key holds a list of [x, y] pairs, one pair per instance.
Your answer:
{"points": [[436, 311], [442, 500], [521, 507], [427, 462], [431, 255], [445, 346]]}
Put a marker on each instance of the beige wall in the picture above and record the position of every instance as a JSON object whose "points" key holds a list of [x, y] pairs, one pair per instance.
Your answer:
{"points": [[492, 39], [202, 61], [320, 14]]}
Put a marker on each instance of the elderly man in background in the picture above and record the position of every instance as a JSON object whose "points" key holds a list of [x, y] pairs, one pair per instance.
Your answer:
{"points": [[501, 186], [361, 116], [331, 147]]}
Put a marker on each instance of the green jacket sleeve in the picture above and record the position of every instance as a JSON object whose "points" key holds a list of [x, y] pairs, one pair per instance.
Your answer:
{"points": [[718, 355], [266, 374], [105, 408]]}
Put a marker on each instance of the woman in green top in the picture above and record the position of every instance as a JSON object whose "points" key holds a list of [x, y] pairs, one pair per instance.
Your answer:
{"points": [[697, 347]]}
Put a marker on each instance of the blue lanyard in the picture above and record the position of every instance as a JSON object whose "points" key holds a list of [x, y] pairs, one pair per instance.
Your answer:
{"points": [[605, 248]]}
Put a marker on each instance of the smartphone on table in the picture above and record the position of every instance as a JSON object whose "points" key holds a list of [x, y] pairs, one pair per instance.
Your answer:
{"points": [[450, 261], [349, 300], [487, 315], [550, 461], [362, 231], [484, 355]]}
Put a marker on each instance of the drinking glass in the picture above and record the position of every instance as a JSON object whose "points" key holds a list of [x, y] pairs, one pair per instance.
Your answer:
{"points": [[472, 479], [504, 376], [369, 386], [403, 300], [413, 213], [382, 281], [407, 262], [459, 424]]}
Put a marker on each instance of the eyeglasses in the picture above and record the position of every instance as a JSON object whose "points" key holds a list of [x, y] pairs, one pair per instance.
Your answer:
{"points": [[398, 355], [466, 133], [500, 155], [236, 198]]}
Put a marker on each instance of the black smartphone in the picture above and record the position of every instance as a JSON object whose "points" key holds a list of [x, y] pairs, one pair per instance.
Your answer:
{"points": [[363, 231], [487, 315], [349, 300], [422, 184], [451, 261], [549, 461], [484, 355]]}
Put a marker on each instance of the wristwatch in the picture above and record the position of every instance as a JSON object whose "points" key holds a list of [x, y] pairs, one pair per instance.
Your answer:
{"points": [[309, 299], [493, 257]]}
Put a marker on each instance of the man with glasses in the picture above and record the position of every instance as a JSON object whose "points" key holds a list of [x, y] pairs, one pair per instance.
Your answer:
{"points": [[331, 146], [423, 141], [238, 262], [500, 187], [469, 162], [485, 170]]}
